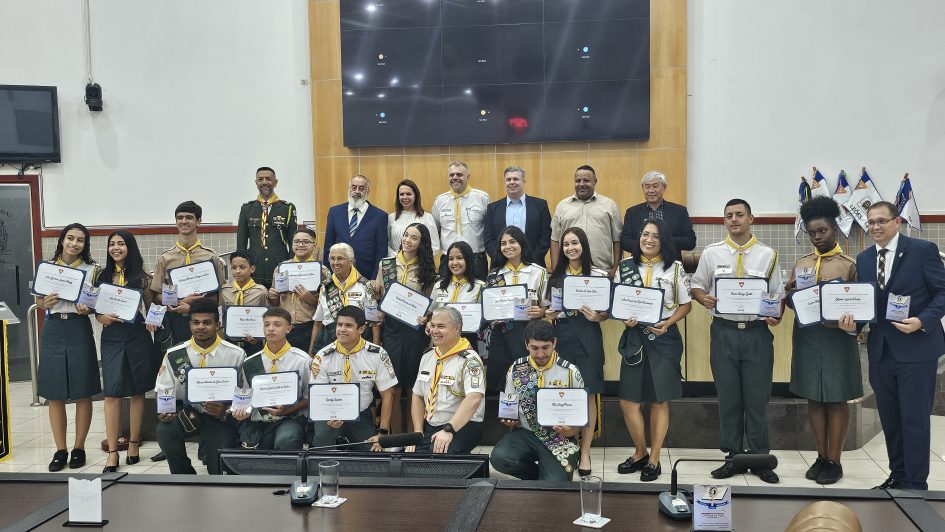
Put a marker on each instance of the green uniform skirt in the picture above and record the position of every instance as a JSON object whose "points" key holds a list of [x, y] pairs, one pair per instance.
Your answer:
{"points": [[825, 365], [68, 363], [658, 378], [581, 343]]}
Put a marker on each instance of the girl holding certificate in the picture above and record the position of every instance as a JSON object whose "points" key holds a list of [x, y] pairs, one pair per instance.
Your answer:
{"points": [[825, 364], [514, 266], [128, 350], [580, 340], [68, 363], [650, 371], [460, 285]]}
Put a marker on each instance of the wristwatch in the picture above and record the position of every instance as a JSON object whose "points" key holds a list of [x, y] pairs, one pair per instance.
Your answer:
{"points": [[449, 428], [383, 432]]}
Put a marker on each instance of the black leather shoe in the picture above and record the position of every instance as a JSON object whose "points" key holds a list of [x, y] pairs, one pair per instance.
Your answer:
{"points": [[650, 472], [889, 484], [767, 475], [159, 457], [632, 466], [111, 468], [77, 459], [133, 459], [815, 468], [59, 460], [728, 470], [831, 473]]}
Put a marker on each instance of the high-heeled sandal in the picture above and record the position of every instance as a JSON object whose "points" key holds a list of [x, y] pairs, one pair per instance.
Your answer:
{"points": [[111, 468], [584, 472], [133, 459]]}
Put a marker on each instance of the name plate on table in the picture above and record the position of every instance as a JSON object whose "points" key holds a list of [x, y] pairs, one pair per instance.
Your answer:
{"points": [[307, 274], [562, 406], [739, 295], [472, 315], [211, 384], [405, 305], [62, 280], [330, 402], [807, 306], [580, 290], [498, 302], [240, 321], [644, 304], [858, 299], [275, 389], [197, 278], [120, 301]]}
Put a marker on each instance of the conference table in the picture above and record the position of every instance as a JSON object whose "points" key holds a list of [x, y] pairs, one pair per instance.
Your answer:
{"points": [[175, 502]]}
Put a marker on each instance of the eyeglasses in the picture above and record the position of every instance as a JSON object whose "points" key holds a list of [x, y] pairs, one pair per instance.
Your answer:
{"points": [[645, 235], [881, 221], [303, 242]]}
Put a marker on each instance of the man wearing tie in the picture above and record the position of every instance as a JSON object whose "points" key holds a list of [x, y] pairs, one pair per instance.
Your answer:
{"points": [[360, 225], [266, 225], [528, 213], [903, 355]]}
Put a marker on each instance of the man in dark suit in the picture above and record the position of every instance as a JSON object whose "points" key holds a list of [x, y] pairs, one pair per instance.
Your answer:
{"points": [[903, 355], [528, 213], [360, 225], [676, 216]]}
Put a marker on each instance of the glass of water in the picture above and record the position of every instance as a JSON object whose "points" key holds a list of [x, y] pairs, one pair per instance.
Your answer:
{"points": [[590, 499], [328, 481]]}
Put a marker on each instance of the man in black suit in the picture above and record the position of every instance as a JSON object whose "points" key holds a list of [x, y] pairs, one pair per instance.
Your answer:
{"points": [[676, 216], [528, 213], [904, 353]]}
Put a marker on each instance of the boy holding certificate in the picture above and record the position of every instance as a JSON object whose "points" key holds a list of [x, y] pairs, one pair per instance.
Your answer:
{"points": [[742, 346], [243, 290], [280, 426], [298, 302], [352, 360], [554, 448], [216, 428], [187, 250]]}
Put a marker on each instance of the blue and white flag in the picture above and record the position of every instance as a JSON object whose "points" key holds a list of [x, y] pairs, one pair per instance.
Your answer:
{"points": [[864, 194], [818, 185], [841, 195], [905, 202], [803, 194]]}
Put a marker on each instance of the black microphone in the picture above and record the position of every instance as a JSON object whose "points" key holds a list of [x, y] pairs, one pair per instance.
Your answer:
{"points": [[400, 440], [677, 507]]}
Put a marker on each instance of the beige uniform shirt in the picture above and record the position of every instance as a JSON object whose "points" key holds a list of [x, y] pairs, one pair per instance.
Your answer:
{"points": [[174, 258], [601, 220], [257, 296], [838, 266], [462, 374]]}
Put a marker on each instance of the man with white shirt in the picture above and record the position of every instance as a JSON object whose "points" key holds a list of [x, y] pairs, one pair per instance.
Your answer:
{"points": [[360, 225], [528, 213], [460, 214]]}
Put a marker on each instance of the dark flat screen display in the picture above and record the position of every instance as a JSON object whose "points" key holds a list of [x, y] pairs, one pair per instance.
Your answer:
{"points": [[492, 54], [29, 124], [597, 110], [487, 12], [376, 14], [491, 114]]}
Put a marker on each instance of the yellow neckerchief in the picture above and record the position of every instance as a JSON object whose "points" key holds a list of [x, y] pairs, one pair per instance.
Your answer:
{"points": [[739, 262], [311, 258], [349, 282], [542, 369], [275, 357], [347, 354], [457, 284], [241, 290], [186, 251], [204, 352], [835, 251], [120, 272], [650, 264], [76, 264], [515, 270], [402, 261], [441, 358], [265, 214], [459, 219], [574, 271]]}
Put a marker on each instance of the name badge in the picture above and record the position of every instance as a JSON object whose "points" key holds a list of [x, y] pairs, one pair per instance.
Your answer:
{"points": [[370, 310], [508, 406], [557, 299], [897, 308], [424, 376], [242, 400], [804, 277], [442, 298], [770, 306], [281, 282], [169, 294], [521, 310], [446, 212], [166, 401], [724, 271], [446, 380]]}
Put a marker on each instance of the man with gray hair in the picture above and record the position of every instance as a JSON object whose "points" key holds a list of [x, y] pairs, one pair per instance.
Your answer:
{"points": [[528, 213], [359, 224], [459, 214], [676, 216]]}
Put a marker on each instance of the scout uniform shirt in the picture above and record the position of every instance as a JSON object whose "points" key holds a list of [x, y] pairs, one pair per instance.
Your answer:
{"points": [[91, 274], [398, 270], [461, 217], [832, 266], [287, 359], [355, 290], [250, 295], [531, 275], [300, 311], [459, 375], [178, 256], [456, 292], [727, 259], [368, 365], [559, 374], [173, 371], [268, 226], [670, 278]]}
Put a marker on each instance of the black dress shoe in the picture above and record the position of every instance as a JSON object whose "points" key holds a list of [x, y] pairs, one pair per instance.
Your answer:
{"points": [[767, 475], [159, 457], [728, 470], [815, 468], [632, 466], [650, 472], [77, 459], [889, 484], [110, 468], [59, 460], [133, 459], [831, 473]]}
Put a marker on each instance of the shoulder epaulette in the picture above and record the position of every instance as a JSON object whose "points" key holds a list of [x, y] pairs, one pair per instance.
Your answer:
{"points": [[373, 348], [522, 360]]}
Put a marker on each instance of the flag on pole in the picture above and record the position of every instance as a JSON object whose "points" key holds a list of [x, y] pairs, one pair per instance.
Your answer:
{"points": [[864, 194], [803, 194], [905, 202], [841, 195], [818, 185]]}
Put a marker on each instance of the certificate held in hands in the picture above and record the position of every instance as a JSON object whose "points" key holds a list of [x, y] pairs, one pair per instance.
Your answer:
{"points": [[307, 274], [197, 278], [62, 280], [739, 295], [119, 301], [472, 316], [330, 402], [240, 321], [562, 406], [644, 304], [405, 305], [498, 302], [211, 384], [858, 299], [275, 389], [580, 290], [807, 306]]}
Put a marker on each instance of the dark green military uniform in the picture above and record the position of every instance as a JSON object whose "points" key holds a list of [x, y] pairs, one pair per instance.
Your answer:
{"points": [[281, 225]]}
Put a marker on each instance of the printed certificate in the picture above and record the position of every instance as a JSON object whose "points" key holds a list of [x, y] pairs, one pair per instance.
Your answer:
{"points": [[562, 406], [197, 278], [328, 402], [240, 321], [307, 274], [404, 305], [121, 301], [837, 299], [580, 290], [498, 302], [472, 315], [739, 295], [62, 280], [644, 304], [275, 389], [211, 384]]}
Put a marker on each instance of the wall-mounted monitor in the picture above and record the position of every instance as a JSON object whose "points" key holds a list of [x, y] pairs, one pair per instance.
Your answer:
{"points": [[29, 124]]}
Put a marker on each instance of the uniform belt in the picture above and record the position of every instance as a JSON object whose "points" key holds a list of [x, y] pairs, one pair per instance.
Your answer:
{"points": [[738, 324], [67, 315]]}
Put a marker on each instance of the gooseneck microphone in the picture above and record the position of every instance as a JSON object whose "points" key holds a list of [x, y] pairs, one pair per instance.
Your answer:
{"points": [[303, 492], [677, 507]]}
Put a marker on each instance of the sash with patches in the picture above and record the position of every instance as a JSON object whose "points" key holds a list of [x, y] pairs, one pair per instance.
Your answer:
{"points": [[525, 383], [630, 272], [333, 294], [180, 363], [253, 367], [495, 279], [389, 271]]}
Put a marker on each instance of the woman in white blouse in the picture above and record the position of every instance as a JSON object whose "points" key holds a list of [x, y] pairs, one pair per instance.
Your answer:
{"points": [[408, 210]]}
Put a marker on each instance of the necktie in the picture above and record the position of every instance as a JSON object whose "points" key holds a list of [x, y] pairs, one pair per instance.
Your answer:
{"points": [[120, 273], [186, 251], [650, 264], [835, 251], [458, 210], [347, 354], [515, 270], [205, 352], [541, 369], [265, 215], [275, 357], [881, 269], [740, 261], [461, 345], [354, 223]]}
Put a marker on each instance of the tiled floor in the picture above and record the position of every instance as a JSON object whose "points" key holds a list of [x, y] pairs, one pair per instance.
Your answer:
{"points": [[33, 447]]}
